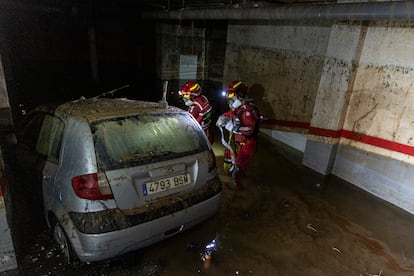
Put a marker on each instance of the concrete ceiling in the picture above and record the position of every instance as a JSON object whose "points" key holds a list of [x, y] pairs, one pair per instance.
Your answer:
{"points": [[179, 4]]}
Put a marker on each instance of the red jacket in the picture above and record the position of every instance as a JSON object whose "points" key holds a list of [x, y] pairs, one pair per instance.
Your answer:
{"points": [[201, 111], [247, 117]]}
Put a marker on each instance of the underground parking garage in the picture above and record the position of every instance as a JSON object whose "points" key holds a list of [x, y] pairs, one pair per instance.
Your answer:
{"points": [[329, 190]]}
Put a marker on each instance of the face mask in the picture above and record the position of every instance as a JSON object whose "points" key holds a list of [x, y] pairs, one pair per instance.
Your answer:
{"points": [[236, 103], [188, 102]]}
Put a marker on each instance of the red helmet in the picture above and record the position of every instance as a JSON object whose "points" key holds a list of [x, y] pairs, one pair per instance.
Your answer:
{"points": [[237, 88], [191, 89]]}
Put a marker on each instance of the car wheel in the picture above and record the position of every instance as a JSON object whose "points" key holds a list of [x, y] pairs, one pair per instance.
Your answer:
{"points": [[63, 243]]}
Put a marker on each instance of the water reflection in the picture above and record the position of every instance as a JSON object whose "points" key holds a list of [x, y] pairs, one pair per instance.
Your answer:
{"points": [[207, 254]]}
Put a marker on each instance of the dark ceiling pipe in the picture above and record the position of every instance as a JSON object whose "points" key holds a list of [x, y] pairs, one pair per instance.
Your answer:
{"points": [[342, 11]]}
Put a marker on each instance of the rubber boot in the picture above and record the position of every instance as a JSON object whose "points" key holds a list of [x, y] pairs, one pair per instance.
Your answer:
{"points": [[237, 178]]}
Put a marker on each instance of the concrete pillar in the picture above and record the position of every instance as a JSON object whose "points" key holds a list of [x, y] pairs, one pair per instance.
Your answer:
{"points": [[7, 254], [331, 103], [376, 150]]}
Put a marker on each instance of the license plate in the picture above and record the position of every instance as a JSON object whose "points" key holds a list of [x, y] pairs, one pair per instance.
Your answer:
{"points": [[165, 184]]}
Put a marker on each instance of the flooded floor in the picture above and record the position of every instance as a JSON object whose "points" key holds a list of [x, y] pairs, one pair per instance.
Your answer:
{"points": [[287, 221]]}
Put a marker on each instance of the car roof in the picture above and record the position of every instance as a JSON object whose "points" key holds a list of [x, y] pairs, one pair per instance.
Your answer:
{"points": [[94, 109]]}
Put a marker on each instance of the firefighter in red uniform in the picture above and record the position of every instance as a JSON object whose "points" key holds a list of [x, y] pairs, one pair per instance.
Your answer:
{"points": [[245, 116], [198, 106]]}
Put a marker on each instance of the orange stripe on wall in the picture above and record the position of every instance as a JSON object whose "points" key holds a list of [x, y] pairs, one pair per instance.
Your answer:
{"points": [[352, 135], [378, 142], [325, 132]]}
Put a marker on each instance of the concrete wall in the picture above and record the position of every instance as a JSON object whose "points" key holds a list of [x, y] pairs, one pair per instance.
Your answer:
{"points": [[331, 103], [205, 43], [281, 64], [376, 150], [178, 40], [342, 94]]}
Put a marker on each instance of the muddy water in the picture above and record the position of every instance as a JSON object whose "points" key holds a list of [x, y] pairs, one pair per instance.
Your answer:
{"points": [[287, 221]]}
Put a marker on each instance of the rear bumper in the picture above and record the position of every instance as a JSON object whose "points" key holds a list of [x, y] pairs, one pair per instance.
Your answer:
{"points": [[115, 219], [97, 247], [140, 230]]}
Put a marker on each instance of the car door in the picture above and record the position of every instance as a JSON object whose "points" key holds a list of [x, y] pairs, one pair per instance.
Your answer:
{"points": [[28, 164], [49, 145]]}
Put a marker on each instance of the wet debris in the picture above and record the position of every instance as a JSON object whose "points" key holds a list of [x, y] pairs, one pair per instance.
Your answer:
{"points": [[39, 252], [207, 250], [365, 273], [310, 226], [207, 253], [150, 268], [286, 203], [403, 255], [336, 249]]}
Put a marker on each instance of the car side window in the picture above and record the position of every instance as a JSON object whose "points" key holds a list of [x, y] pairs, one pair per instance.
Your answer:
{"points": [[50, 138], [31, 130]]}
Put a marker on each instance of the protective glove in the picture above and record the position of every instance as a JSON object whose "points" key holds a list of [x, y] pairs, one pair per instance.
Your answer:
{"points": [[236, 126], [236, 129], [222, 121], [229, 125]]}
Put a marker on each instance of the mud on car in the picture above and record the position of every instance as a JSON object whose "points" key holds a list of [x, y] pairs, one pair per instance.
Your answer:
{"points": [[116, 175]]}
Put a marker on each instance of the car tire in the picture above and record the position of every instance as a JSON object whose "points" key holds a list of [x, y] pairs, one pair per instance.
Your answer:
{"points": [[63, 242]]}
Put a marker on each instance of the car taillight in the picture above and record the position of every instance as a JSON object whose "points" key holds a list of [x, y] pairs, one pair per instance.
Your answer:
{"points": [[93, 186], [211, 161]]}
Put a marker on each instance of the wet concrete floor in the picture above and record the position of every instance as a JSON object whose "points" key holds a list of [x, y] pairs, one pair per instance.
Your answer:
{"points": [[287, 221]]}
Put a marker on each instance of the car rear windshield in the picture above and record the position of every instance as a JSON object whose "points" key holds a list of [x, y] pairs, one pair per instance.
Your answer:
{"points": [[137, 140]]}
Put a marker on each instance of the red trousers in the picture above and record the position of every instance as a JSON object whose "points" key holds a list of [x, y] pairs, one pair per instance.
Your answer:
{"points": [[245, 152]]}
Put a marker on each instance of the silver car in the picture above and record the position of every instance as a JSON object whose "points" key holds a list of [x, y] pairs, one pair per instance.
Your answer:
{"points": [[117, 175]]}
